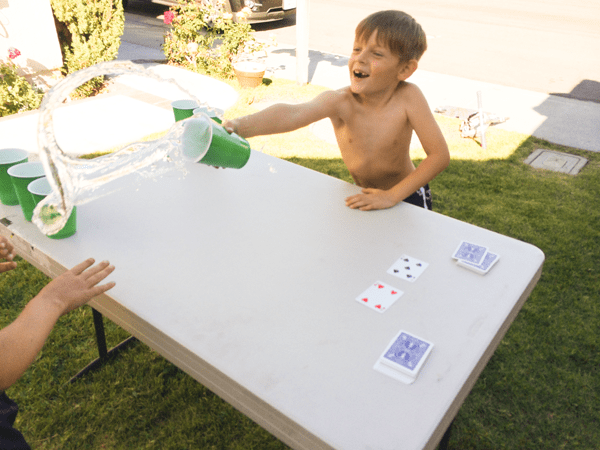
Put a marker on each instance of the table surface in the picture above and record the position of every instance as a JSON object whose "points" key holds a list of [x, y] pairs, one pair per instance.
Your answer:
{"points": [[246, 279]]}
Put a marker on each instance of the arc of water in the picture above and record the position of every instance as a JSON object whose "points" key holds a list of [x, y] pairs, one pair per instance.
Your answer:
{"points": [[75, 181]]}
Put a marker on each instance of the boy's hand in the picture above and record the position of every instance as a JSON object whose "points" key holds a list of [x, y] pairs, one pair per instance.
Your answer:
{"points": [[371, 199], [229, 126], [7, 252], [77, 286]]}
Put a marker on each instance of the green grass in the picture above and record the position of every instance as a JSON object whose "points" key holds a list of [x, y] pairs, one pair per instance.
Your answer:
{"points": [[540, 390]]}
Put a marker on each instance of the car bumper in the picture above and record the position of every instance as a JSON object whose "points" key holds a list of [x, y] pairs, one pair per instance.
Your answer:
{"points": [[271, 15]]}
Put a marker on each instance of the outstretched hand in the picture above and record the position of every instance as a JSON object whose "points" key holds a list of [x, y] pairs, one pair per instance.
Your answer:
{"points": [[7, 252], [229, 126], [22, 340], [79, 285], [371, 199]]}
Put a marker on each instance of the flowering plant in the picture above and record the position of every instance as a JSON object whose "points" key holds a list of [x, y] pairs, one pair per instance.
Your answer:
{"points": [[13, 53], [205, 38], [16, 93]]}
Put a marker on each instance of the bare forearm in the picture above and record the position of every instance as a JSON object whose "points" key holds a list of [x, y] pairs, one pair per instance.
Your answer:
{"points": [[275, 119], [283, 117], [22, 340]]}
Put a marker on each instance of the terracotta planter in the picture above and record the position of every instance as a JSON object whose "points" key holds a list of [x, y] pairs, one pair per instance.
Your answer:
{"points": [[249, 74]]}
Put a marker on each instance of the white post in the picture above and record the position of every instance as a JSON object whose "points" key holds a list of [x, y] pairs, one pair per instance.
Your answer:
{"points": [[302, 42], [481, 120]]}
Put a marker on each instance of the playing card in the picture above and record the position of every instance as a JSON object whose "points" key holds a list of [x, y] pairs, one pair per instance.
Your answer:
{"points": [[485, 266], [379, 296], [404, 357], [469, 252], [408, 268]]}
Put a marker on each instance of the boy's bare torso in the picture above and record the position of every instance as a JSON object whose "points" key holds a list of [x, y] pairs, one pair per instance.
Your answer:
{"points": [[374, 138], [374, 117]]}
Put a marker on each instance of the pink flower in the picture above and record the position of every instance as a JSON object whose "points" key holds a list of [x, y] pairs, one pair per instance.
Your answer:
{"points": [[13, 53], [169, 16]]}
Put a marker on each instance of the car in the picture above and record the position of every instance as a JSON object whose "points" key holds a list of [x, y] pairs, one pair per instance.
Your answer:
{"points": [[262, 10]]}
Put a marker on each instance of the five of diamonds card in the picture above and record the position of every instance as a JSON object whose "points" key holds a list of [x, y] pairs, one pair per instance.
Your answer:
{"points": [[404, 357]]}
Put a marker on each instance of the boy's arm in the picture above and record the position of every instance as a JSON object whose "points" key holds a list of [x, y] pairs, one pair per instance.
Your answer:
{"points": [[437, 159], [282, 117], [21, 341]]}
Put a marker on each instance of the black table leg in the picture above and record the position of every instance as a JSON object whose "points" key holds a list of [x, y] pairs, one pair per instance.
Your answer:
{"points": [[103, 354], [446, 438], [100, 335]]}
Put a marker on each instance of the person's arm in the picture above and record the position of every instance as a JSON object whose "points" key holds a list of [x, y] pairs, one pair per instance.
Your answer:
{"points": [[282, 117], [21, 341], [437, 159]]}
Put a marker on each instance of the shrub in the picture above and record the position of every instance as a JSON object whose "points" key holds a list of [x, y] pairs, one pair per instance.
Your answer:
{"points": [[89, 32], [204, 38], [16, 93]]}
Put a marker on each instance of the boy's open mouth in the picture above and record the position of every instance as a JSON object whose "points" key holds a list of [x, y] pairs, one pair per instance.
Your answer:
{"points": [[359, 74]]}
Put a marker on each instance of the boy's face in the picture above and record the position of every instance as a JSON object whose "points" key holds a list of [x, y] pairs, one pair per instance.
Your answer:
{"points": [[373, 67]]}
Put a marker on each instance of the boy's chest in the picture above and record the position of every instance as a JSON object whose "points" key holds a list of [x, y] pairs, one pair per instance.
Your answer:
{"points": [[379, 129]]}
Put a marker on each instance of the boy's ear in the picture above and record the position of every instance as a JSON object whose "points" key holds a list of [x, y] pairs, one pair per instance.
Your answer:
{"points": [[407, 69]]}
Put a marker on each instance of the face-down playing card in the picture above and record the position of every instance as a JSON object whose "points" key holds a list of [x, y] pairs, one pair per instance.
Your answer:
{"points": [[404, 356], [379, 296], [484, 267], [408, 268], [471, 253]]}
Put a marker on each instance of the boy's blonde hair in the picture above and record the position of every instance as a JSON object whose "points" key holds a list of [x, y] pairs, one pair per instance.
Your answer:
{"points": [[397, 30]]}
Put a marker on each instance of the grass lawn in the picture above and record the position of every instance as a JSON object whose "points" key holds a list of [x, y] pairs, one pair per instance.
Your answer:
{"points": [[540, 390]]}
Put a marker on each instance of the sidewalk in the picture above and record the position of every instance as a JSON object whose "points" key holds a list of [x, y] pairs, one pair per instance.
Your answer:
{"points": [[560, 120], [137, 107], [134, 107]]}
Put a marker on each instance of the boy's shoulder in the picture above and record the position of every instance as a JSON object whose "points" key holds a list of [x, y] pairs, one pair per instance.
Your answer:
{"points": [[411, 90], [333, 101], [409, 95], [408, 89], [336, 95]]}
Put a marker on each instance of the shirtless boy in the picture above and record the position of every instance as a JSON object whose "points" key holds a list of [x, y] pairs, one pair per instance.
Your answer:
{"points": [[374, 117]]}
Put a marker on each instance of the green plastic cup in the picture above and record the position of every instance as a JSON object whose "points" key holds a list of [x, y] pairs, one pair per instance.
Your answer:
{"points": [[9, 157], [41, 188], [182, 109], [21, 175], [209, 113], [207, 142]]}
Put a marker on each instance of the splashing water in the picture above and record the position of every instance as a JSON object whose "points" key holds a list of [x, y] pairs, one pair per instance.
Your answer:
{"points": [[76, 181]]}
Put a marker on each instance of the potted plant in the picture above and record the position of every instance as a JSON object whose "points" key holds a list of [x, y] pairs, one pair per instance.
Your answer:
{"points": [[248, 66], [249, 73]]}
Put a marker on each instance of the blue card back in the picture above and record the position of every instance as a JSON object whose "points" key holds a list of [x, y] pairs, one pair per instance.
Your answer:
{"points": [[407, 351]]}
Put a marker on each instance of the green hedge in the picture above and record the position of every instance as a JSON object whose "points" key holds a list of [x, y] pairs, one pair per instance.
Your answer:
{"points": [[16, 93], [89, 32]]}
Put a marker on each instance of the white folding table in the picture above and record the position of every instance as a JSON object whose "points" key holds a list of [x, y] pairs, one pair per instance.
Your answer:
{"points": [[246, 280]]}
